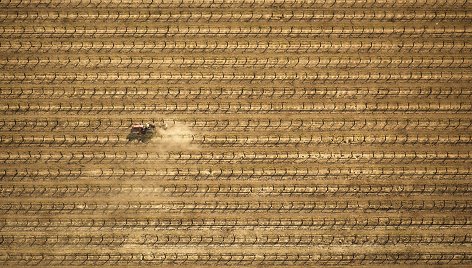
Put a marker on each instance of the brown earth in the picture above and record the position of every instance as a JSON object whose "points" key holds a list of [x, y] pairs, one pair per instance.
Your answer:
{"points": [[300, 133]]}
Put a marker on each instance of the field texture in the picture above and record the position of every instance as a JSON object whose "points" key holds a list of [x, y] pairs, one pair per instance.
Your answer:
{"points": [[300, 133]]}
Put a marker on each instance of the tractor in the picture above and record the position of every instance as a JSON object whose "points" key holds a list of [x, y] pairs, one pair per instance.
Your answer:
{"points": [[142, 132]]}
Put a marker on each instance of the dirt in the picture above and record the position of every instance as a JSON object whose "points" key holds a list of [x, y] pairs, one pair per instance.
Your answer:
{"points": [[299, 133]]}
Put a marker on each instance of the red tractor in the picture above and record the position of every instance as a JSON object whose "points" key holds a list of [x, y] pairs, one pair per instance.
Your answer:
{"points": [[142, 132]]}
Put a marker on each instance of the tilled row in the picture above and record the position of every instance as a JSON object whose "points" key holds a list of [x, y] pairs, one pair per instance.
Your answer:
{"points": [[269, 93], [191, 46], [446, 257], [237, 157], [379, 174], [68, 139], [275, 62], [321, 123], [255, 107], [349, 30], [112, 15], [148, 207], [455, 223], [164, 189], [244, 77], [230, 240], [257, 4]]}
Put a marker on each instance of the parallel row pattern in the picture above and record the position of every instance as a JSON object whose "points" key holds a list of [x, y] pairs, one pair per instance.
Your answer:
{"points": [[299, 133]]}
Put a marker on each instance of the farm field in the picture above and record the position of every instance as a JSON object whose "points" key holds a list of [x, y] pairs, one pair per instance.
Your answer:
{"points": [[290, 133]]}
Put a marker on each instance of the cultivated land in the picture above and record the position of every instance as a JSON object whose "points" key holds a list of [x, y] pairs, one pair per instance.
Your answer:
{"points": [[299, 133]]}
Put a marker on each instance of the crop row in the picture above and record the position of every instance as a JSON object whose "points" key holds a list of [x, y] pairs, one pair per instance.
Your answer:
{"points": [[209, 62], [191, 92], [233, 259], [269, 31], [338, 222], [234, 240], [235, 190], [377, 175], [233, 157], [241, 124], [241, 140], [224, 207], [188, 46], [258, 4], [252, 107], [240, 16]]}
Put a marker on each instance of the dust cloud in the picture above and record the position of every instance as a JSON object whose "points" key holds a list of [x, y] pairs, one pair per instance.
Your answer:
{"points": [[175, 137]]}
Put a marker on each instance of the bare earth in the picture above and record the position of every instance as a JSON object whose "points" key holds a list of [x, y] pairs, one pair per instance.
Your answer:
{"points": [[301, 133]]}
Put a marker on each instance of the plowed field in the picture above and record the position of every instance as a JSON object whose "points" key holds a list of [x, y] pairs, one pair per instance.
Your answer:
{"points": [[300, 133]]}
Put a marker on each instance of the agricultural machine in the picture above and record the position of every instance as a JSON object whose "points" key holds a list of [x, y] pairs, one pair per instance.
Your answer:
{"points": [[142, 132]]}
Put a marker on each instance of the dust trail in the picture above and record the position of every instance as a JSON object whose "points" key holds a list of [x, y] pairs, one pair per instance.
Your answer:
{"points": [[176, 137]]}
